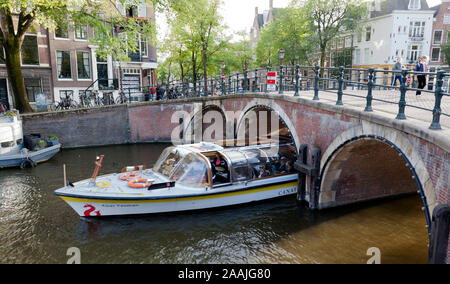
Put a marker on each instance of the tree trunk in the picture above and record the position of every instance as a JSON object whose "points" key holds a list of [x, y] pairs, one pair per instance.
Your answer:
{"points": [[205, 73], [14, 68], [194, 71], [323, 56]]}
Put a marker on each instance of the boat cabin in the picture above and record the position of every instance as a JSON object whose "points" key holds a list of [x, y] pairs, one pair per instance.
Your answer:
{"points": [[11, 136], [211, 165]]}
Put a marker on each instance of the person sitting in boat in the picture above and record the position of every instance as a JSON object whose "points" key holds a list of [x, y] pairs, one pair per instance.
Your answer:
{"points": [[262, 171], [289, 167], [281, 166]]}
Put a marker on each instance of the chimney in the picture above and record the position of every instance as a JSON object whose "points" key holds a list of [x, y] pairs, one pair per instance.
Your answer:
{"points": [[270, 4]]}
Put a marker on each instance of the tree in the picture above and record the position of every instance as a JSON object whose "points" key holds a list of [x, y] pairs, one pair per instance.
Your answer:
{"points": [[18, 16], [197, 27], [289, 31], [445, 50], [330, 18]]}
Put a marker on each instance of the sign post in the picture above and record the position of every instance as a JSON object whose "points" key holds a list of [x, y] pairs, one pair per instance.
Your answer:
{"points": [[271, 81]]}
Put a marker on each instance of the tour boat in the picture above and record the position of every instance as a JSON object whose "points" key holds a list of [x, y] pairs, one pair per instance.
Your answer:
{"points": [[13, 147], [187, 177]]}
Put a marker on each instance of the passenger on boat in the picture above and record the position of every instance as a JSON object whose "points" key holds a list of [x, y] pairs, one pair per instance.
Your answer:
{"points": [[262, 171], [281, 166], [289, 167]]}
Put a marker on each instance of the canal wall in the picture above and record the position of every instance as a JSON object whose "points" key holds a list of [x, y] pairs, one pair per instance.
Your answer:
{"points": [[110, 125]]}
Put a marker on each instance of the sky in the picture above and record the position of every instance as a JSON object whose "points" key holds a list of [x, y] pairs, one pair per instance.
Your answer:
{"points": [[239, 14]]}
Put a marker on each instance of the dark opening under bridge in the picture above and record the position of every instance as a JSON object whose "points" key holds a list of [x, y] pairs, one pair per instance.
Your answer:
{"points": [[346, 152]]}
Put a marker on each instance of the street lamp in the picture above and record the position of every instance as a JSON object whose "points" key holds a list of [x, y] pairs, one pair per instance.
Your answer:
{"points": [[281, 54]]}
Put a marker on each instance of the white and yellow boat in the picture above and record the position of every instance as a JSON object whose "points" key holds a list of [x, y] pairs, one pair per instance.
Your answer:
{"points": [[188, 177]]}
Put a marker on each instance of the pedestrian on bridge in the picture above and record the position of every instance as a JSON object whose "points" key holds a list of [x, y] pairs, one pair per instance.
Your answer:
{"points": [[398, 67], [421, 78]]}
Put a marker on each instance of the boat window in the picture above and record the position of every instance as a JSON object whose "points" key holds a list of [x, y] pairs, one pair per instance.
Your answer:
{"points": [[280, 160], [7, 144], [192, 172], [168, 161], [241, 173]]}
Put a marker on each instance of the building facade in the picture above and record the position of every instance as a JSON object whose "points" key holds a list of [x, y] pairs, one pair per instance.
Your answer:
{"points": [[397, 28], [36, 68], [62, 63], [440, 35], [260, 21]]}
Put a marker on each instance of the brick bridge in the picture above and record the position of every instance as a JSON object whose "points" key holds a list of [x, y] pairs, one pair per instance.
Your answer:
{"points": [[345, 155]]}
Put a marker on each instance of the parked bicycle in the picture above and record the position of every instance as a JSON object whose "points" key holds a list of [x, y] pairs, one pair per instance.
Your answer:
{"points": [[66, 102]]}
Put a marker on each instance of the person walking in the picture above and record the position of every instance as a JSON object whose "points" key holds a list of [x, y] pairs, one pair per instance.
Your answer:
{"points": [[398, 67], [421, 79]]}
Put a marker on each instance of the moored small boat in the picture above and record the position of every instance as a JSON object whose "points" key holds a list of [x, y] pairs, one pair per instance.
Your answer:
{"points": [[13, 146], [188, 177]]}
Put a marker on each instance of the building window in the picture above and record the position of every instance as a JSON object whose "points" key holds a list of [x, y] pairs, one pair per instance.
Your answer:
{"points": [[357, 56], [348, 42], [84, 65], [366, 55], [416, 29], [436, 54], [30, 51], [437, 37], [368, 33], [81, 31], [359, 37], [63, 64], [132, 11], [144, 46], [414, 52], [414, 5], [340, 43], [62, 30], [33, 87], [446, 19]]}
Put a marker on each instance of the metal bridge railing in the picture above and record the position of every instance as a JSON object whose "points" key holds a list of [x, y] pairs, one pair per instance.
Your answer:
{"points": [[371, 85], [345, 82]]}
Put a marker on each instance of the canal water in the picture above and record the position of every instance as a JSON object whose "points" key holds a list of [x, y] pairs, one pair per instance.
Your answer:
{"points": [[38, 227]]}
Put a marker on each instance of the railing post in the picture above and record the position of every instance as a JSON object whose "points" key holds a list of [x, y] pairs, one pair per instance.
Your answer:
{"points": [[281, 80], [245, 81], [223, 84], [267, 73], [255, 87], [340, 86], [359, 79], [237, 84], [436, 124], [297, 78], [369, 90], [229, 84], [402, 103], [316, 83]]}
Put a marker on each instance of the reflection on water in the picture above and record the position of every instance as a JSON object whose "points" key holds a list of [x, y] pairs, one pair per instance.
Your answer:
{"points": [[38, 227]]}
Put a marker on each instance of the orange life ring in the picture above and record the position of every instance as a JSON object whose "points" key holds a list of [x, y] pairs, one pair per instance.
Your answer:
{"points": [[129, 176], [140, 183]]}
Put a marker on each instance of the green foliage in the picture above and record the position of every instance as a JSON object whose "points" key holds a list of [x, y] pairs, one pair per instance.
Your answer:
{"points": [[53, 137], [445, 53], [330, 18], [20, 16], [289, 31]]}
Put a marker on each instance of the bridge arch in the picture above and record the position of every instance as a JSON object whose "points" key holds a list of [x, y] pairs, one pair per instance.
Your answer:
{"points": [[400, 168], [258, 105], [198, 123]]}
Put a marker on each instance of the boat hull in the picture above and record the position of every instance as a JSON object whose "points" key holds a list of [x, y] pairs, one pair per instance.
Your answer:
{"points": [[92, 207], [40, 156]]}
